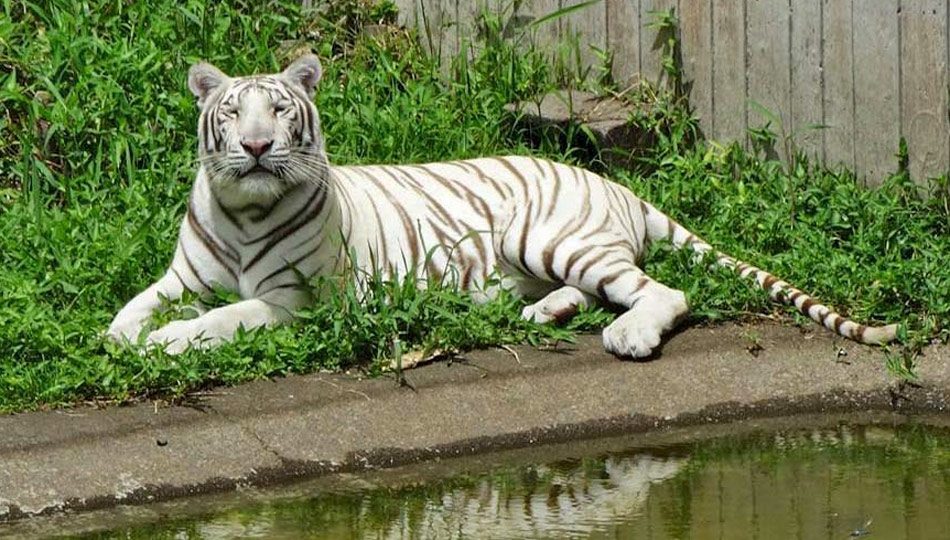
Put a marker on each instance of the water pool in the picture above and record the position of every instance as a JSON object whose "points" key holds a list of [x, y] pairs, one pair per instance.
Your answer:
{"points": [[889, 478]]}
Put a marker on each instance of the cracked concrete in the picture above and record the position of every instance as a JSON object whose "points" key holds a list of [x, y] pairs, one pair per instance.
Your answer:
{"points": [[270, 432]]}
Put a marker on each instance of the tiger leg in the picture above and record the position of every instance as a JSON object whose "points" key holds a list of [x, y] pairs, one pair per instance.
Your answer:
{"points": [[558, 306], [133, 317], [220, 324], [599, 264], [652, 310]]}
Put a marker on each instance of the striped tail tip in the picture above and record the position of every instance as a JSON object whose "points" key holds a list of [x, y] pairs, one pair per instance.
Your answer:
{"points": [[879, 335], [778, 289]]}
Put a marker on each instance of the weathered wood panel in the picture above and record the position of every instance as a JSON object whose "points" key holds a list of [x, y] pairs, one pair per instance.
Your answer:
{"points": [[586, 29], [432, 17], [838, 91], [449, 27], [546, 35], [767, 65], [473, 22], [729, 71], [870, 71], [876, 88], [407, 11], [623, 40], [697, 48], [923, 26], [653, 39], [436, 22], [806, 77]]}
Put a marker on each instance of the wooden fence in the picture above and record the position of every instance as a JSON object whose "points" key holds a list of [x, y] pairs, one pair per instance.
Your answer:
{"points": [[870, 71]]}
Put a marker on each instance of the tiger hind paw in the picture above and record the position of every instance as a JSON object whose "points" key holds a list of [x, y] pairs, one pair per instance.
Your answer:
{"points": [[631, 335], [557, 306], [639, 331]]}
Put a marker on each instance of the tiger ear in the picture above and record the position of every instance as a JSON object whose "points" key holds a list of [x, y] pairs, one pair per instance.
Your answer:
{"points": [[305, 72], [203, 78]]}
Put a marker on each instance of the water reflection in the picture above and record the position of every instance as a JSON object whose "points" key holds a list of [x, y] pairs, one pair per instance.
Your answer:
{"points": [[547, 502], [846, 482]]}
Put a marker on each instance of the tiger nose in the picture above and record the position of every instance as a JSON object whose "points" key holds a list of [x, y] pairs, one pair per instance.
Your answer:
{"points": [[257, 147]]}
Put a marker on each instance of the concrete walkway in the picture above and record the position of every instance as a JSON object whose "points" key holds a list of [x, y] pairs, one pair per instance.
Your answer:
{"points": [[268, 432]]}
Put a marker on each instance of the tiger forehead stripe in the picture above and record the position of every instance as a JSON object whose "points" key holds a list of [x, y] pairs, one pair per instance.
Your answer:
{"points": [[274, 88]]}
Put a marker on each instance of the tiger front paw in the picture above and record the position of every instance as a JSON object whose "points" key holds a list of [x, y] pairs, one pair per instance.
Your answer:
{"points": [[177, 337], [125, 330]]}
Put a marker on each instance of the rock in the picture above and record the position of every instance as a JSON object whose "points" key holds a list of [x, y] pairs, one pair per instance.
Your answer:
{"points": [[567, 114]]}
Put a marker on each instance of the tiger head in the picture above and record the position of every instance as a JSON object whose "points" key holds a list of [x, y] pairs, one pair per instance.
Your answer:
{"points": [[259, 136]]}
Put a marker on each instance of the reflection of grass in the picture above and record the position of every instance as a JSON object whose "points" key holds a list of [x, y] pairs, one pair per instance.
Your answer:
{"points": [[899, 454], [845, 479], [97, 146]]}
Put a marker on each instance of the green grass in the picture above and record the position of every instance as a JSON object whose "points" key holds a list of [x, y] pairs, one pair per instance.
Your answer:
{"points": [[97, 153]]}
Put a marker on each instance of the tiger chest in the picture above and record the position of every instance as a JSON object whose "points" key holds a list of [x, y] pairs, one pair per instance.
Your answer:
{"points": [[280, 259]]}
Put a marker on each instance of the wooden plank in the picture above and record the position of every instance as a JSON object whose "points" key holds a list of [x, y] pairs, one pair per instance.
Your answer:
{"points": [[545, 36], [585, 29], [696, 38], [876, 89], [652, 41], [470, 14], [623, 40], [449, 46], [767, 51], [806, 80], [729, 73], [429, 22], [923, 57], [438, 28], [838, 90], [407, 12]]}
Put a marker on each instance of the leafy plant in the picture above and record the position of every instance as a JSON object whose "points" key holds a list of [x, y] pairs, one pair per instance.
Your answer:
{"points": [[667, 26]]}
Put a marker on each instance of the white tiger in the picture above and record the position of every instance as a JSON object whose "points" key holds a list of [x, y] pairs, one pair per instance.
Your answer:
{"points": [[267, 212]]}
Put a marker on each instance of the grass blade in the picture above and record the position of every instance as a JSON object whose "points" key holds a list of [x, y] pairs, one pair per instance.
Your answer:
{"points": [[563, 12]]}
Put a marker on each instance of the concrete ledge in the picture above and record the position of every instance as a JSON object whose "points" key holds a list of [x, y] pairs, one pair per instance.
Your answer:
{"points": [[270, 432]]}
